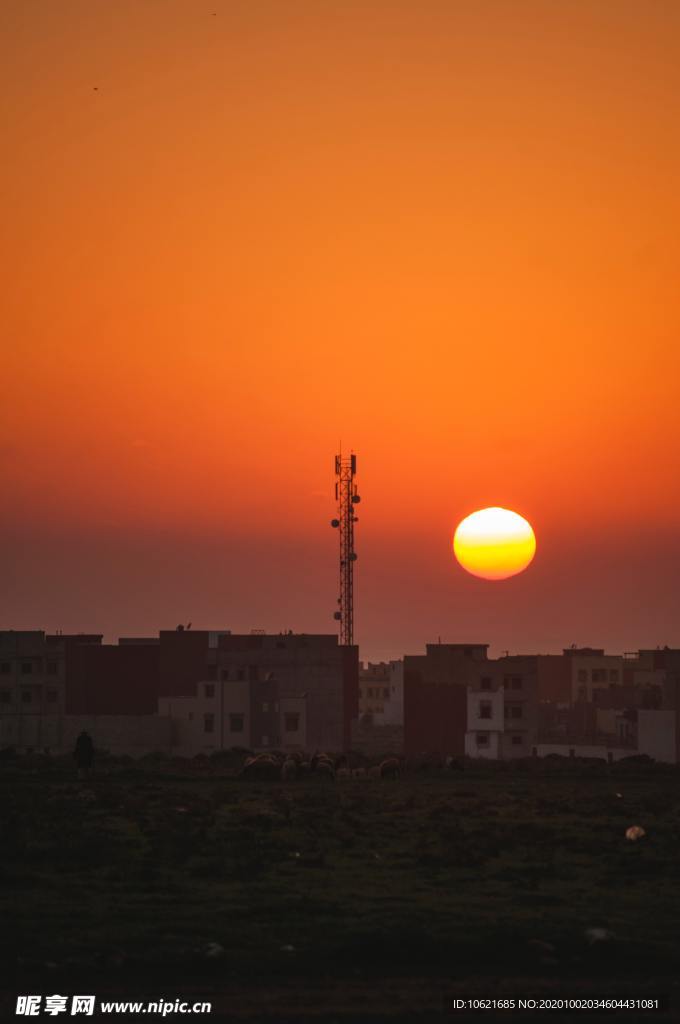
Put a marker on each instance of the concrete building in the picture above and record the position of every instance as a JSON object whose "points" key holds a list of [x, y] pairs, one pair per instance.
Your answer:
{"points": [[218, 690], [502, 714], [591, 669], [485, 720], [278, 691], [381, 692], [657, 734], [313, 670], [248, 713], [33, 672], [436, 697]]}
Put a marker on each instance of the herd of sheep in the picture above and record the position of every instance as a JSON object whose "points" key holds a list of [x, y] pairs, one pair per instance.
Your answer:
{"points": [[271, 767]]}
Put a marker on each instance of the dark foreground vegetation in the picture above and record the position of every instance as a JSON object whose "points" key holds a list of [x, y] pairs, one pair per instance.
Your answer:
{"points": [[359, 900]]}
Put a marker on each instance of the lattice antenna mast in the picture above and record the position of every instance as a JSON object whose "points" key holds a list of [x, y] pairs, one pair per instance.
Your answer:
{"points": [[346, 497]]}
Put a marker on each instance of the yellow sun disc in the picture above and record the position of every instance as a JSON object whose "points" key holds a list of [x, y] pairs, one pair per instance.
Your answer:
{"points": [[494, 543]]}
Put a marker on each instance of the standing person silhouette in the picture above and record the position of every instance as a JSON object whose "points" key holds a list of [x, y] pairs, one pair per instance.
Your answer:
{"points": [[84, 754]]}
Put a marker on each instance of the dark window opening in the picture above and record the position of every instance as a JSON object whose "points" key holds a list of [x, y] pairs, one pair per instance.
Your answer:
{"points": [[291, 721], [236, 722], [210, 689], [208, 723]]}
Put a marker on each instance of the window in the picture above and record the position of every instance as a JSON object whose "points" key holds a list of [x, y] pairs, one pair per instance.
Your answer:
{"points": [[582, 675], [26, 697], [517, 682], [485, 709], [240, 674], [52, 696], [5, 697], [265, 741], [26, 668], [513, 711], [224, 675], [208, 723], [482, 739], [51, 668], [5, 668], [506, 683], [517, 741], [485, 683], [291, 721], [599, 675], [281, 644], [265, 706], [386, 692], [236, 722], [370, 691], [209, 689], [614, 675]]}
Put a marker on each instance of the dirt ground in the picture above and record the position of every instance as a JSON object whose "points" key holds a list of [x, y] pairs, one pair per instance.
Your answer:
{"points": [[359, 901]]}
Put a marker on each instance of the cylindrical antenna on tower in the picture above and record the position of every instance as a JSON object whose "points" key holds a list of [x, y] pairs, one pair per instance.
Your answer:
{"points": [[346, 497]]}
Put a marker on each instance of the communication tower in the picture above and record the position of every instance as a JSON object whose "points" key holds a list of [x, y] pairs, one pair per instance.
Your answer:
{"points": [[346, 497]]}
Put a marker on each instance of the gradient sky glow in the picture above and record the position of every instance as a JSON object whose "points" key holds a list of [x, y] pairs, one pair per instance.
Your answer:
{"points": [[445, 232]]}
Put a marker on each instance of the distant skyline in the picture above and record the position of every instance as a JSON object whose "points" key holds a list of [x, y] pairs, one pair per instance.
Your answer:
{"points": [[444, 233]]}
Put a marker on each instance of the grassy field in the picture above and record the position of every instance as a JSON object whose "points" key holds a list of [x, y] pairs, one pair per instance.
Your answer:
{"points": [[359, 901]]}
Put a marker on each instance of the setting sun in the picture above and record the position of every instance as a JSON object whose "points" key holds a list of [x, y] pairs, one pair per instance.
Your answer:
{"points": [[494, 543]]}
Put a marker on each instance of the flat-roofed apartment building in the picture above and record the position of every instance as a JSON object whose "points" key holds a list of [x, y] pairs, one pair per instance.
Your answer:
{"points": [[33, 687], [502, 708], [260, 691], [381, 692]]}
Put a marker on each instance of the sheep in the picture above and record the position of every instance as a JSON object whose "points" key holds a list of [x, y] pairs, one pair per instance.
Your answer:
{"points": [[389, 768], [262, 767], [325, 769]]}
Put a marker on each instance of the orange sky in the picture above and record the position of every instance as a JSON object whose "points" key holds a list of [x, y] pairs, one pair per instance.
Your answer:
{"points": [[444, 231]]}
